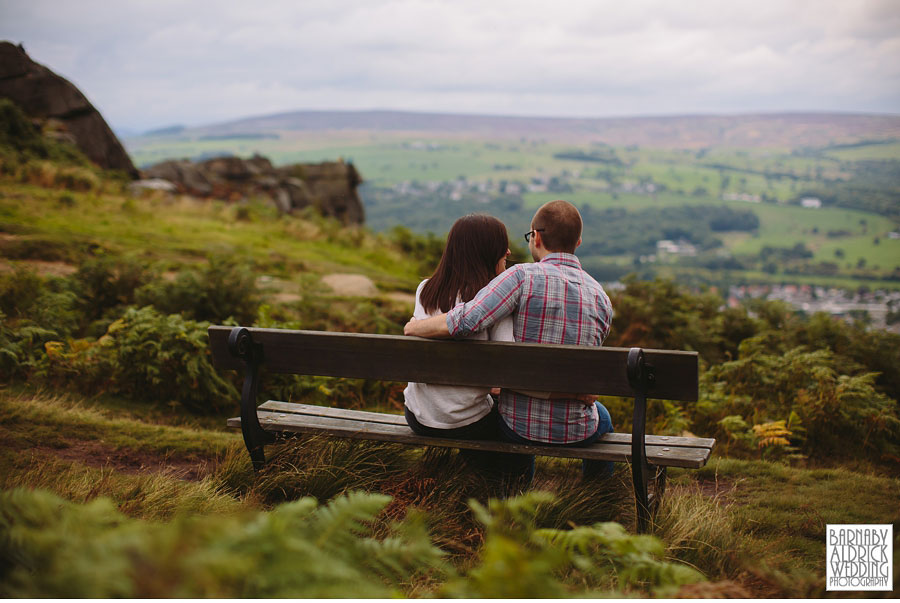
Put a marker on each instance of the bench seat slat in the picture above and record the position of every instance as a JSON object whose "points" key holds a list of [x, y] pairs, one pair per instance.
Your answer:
{"points": [[327, 411], [376, 417], [287, 422]]}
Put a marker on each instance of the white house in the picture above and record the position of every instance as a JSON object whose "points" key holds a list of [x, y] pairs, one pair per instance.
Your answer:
{"points": [[811, 202]]}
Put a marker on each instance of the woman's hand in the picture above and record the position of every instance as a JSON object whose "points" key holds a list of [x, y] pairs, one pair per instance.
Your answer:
{"points": [[408, 328]]}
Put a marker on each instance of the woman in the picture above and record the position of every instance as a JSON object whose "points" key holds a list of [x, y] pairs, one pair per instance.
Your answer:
{"points": [[476, 251]]}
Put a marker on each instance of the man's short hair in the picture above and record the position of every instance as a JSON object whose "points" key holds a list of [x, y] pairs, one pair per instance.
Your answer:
{"points": [[561, 224]]}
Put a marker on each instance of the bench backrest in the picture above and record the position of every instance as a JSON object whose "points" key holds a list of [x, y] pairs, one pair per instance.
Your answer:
{"points": [[536, 367]]}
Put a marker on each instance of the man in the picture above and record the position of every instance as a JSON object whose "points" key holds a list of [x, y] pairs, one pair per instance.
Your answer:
{"points": [[552, 301]]}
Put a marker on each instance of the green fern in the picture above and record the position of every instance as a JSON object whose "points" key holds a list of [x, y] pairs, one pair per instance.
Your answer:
{"points": [[519, 560], [53, 548]]}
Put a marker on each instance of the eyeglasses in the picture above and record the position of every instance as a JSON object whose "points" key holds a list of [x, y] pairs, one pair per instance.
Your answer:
{"points": [[531, 232]]}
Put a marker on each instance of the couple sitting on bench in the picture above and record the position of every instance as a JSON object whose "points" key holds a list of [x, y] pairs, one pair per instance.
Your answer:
{"points": [[551, 301]]}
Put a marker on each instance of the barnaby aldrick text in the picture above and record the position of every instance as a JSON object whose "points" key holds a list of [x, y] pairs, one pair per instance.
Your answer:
{"points": [[859, 557]]}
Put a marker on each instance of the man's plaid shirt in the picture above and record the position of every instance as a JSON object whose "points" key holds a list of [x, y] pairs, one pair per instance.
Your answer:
{"points": [[552, 301]]}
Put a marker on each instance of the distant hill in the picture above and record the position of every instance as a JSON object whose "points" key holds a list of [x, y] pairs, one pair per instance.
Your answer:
{"points": [[689, 131]]}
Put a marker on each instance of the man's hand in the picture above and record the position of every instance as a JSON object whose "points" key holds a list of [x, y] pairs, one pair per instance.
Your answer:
{"points": [[433, 328]]}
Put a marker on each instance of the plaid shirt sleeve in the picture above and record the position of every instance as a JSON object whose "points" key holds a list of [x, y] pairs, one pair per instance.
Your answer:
{"points": [[496, 300]]}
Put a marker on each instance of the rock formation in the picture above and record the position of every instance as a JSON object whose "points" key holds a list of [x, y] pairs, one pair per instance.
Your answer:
{"points": [[329, 187], [44, 95]]}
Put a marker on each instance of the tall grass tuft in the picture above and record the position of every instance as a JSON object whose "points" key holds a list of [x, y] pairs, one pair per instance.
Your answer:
{"points": [[152, 496], [441, 484], [698, 530], [583, 502], [319, 467]]}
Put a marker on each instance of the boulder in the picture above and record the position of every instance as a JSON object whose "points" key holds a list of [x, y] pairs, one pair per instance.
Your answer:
{"points": [[329, 187], [154, 184], [187, 177], [332, 188], [44, 95]]}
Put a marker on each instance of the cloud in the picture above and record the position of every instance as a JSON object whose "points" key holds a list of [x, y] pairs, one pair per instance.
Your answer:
{"points": [[146, 64]]}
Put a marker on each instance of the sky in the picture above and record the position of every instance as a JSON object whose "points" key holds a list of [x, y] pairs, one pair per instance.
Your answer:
{"points": [[150, 64]]}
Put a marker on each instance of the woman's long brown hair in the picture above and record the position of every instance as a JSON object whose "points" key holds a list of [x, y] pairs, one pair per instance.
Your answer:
{"points": [[475, 244]]}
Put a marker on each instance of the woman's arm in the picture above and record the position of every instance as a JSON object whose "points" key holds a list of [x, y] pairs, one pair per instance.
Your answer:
{"points": [[433, 328]]}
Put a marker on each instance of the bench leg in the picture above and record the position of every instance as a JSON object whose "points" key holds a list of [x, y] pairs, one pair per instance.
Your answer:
{"points": [[241, 344], [641, 378], [639, 476]]}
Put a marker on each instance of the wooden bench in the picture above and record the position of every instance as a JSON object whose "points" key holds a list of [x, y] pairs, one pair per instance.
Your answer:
{"points": [[634, 372]]}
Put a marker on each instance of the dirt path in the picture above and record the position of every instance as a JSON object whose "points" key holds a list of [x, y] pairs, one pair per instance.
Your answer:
{"points": [[98, 455], [351, 285], [40, 267], [359, 285]]}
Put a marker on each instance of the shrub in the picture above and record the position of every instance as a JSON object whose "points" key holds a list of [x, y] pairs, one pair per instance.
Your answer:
{"points": [[428, 249], [221, 290], [23, 141], [106, 284], [77, 179], [146, 356], [40, 173], [41, 248], [660, 314], [834, 385], [20, 348], [19, 291], [843, 415], [159, 357]]}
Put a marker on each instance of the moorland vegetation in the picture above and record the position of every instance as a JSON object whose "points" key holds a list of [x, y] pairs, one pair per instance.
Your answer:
{"points": [[119, 478]]}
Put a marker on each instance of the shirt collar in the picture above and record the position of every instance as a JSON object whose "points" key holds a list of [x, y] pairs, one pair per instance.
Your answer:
{"points": [[562, 259]]}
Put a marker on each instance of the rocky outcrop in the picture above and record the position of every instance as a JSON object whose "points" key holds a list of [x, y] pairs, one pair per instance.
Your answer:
{"points": [[329, 187], [44, 95]]}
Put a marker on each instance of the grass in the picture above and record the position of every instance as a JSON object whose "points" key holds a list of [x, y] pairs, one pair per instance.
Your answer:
{"points": [[54, 420], [175, 231], [785, 226], [60, 443], [779, 513], [871, 151]]}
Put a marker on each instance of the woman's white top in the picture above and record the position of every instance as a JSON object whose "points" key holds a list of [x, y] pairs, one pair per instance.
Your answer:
{"points": [[450, 406]]}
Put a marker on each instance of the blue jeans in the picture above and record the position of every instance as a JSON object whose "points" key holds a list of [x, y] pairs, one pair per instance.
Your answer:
{"points": [[521, 466]]}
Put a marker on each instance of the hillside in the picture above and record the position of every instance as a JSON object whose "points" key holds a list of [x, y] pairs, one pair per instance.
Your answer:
{"points": [[789, 130]]}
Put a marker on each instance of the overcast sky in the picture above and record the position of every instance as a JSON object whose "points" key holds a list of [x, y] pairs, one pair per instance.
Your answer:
{"points": [[153, 63]]}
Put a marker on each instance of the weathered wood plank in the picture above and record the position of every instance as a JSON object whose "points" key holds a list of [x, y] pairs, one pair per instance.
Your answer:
{"points": [[672, 441], [326, 411], [526, 366], [376, 417], [286, 422]]}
